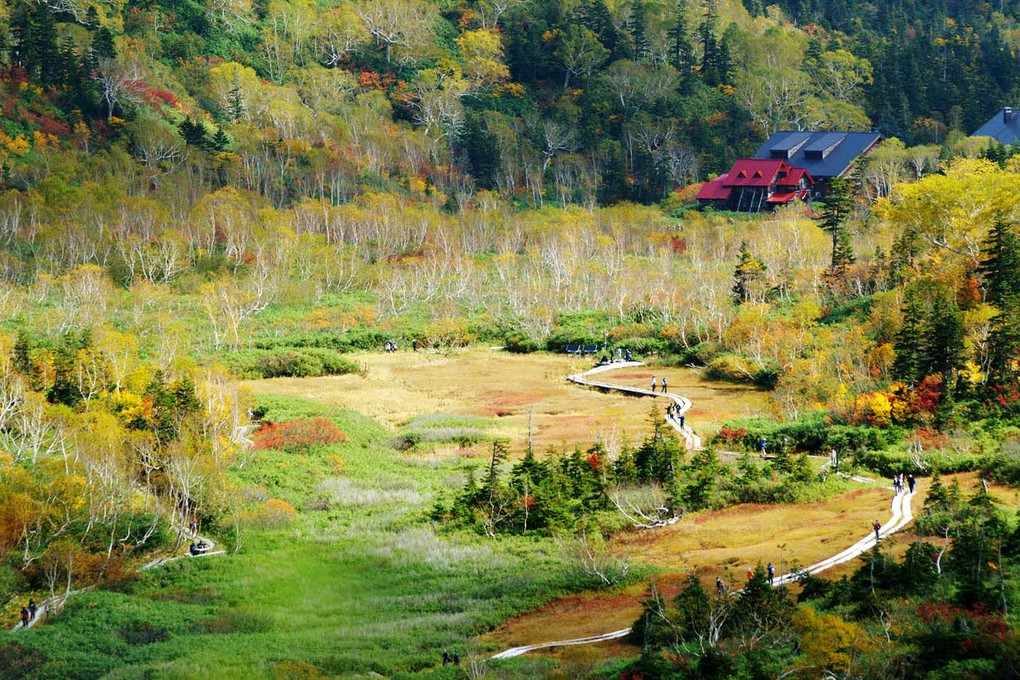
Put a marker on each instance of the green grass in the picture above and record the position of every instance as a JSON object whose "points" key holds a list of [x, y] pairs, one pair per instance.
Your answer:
{"points": [[359, 582]]}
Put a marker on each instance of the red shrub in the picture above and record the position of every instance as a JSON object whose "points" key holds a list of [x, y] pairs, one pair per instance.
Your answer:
{"points": [[730, 436], [298, 435]]}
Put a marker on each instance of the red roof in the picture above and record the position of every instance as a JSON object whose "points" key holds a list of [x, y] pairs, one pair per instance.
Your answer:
{"points": [[781, 197], [794, 175], [755, 172], [714, 190], [785, 197]]}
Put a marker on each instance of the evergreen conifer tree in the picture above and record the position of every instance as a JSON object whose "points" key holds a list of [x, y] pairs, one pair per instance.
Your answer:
{"points": [[839, 204], [909, 346], [682, 51], [749, 271], [1000, 266]]}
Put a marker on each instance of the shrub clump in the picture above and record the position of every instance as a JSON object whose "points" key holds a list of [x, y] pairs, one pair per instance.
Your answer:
{"points": [[298, 436], [274, 513], [307, 362]]}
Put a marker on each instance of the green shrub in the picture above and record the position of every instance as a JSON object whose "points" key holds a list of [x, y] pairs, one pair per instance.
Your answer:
{"points": [[288, 363], [811, 433]]}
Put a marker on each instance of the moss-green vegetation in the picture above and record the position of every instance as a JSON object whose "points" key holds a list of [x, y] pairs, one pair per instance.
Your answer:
{"points": [[356, 581]]}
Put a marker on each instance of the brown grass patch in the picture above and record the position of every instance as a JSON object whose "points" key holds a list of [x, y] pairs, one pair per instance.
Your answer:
{"points": [[715, 543], [400, 386]]}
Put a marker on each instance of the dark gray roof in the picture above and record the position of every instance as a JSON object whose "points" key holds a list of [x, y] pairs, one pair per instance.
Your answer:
{"points": [[822, 154], [1003, 127]]}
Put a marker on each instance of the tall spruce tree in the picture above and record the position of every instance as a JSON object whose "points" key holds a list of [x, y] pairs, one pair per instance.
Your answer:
{"points": [[909, 345], [1004, 342], [749, 271], [638, 25], [839, 204], [709, 45], [1000, 266], [944, 339], [681, 53]]}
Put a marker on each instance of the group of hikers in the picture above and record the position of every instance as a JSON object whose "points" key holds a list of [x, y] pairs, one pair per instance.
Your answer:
{"points": [[28, 613], [619, 355], [898, 481], [448, 659], [198, 548], [673, 411], [770, 571], [663, 384]]}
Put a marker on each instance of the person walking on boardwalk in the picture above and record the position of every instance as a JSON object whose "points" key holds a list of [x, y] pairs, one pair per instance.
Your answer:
{"points": [[653, 383], [772, 574], [720, 588], [683, 419], [24, 618], [878, 526], [31, 609], [663, 384], [911, 482]]}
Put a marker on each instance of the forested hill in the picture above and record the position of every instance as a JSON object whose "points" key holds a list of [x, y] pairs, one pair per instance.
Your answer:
{"points": [[568, 101]]}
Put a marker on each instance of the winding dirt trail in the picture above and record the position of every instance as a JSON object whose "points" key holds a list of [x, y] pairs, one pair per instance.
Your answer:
{"points": [[900, 508]]}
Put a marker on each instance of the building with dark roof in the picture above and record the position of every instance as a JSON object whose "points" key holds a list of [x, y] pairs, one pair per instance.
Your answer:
{"points": [[753, 185], [1003, 127], [823, 154]]}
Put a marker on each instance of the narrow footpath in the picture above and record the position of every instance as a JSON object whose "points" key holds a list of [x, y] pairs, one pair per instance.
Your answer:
{"points": [[900, 508]]}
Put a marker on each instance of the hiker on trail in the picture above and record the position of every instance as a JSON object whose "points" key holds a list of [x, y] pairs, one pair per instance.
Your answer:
{"points": [[653, 383], [456, 658], [762, 444], [628, 355], [750, 573], [663, 384], [683, 418], [31, 609], [772, 573], [911, 482], [619, 354], [414, 344], [720, 588], [192, 549], [877, 525], [24, 618], [896, 484], [446, 657]]}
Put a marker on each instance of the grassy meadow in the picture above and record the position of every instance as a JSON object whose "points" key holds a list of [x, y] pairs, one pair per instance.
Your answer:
{"points": [[354, 580], [512, 391]]}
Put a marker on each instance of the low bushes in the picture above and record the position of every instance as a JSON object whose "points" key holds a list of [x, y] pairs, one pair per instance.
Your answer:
{"points": [[297, 436], [289, 363], [733, 368], [811, 433], [444, 429], [348, 341]]}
